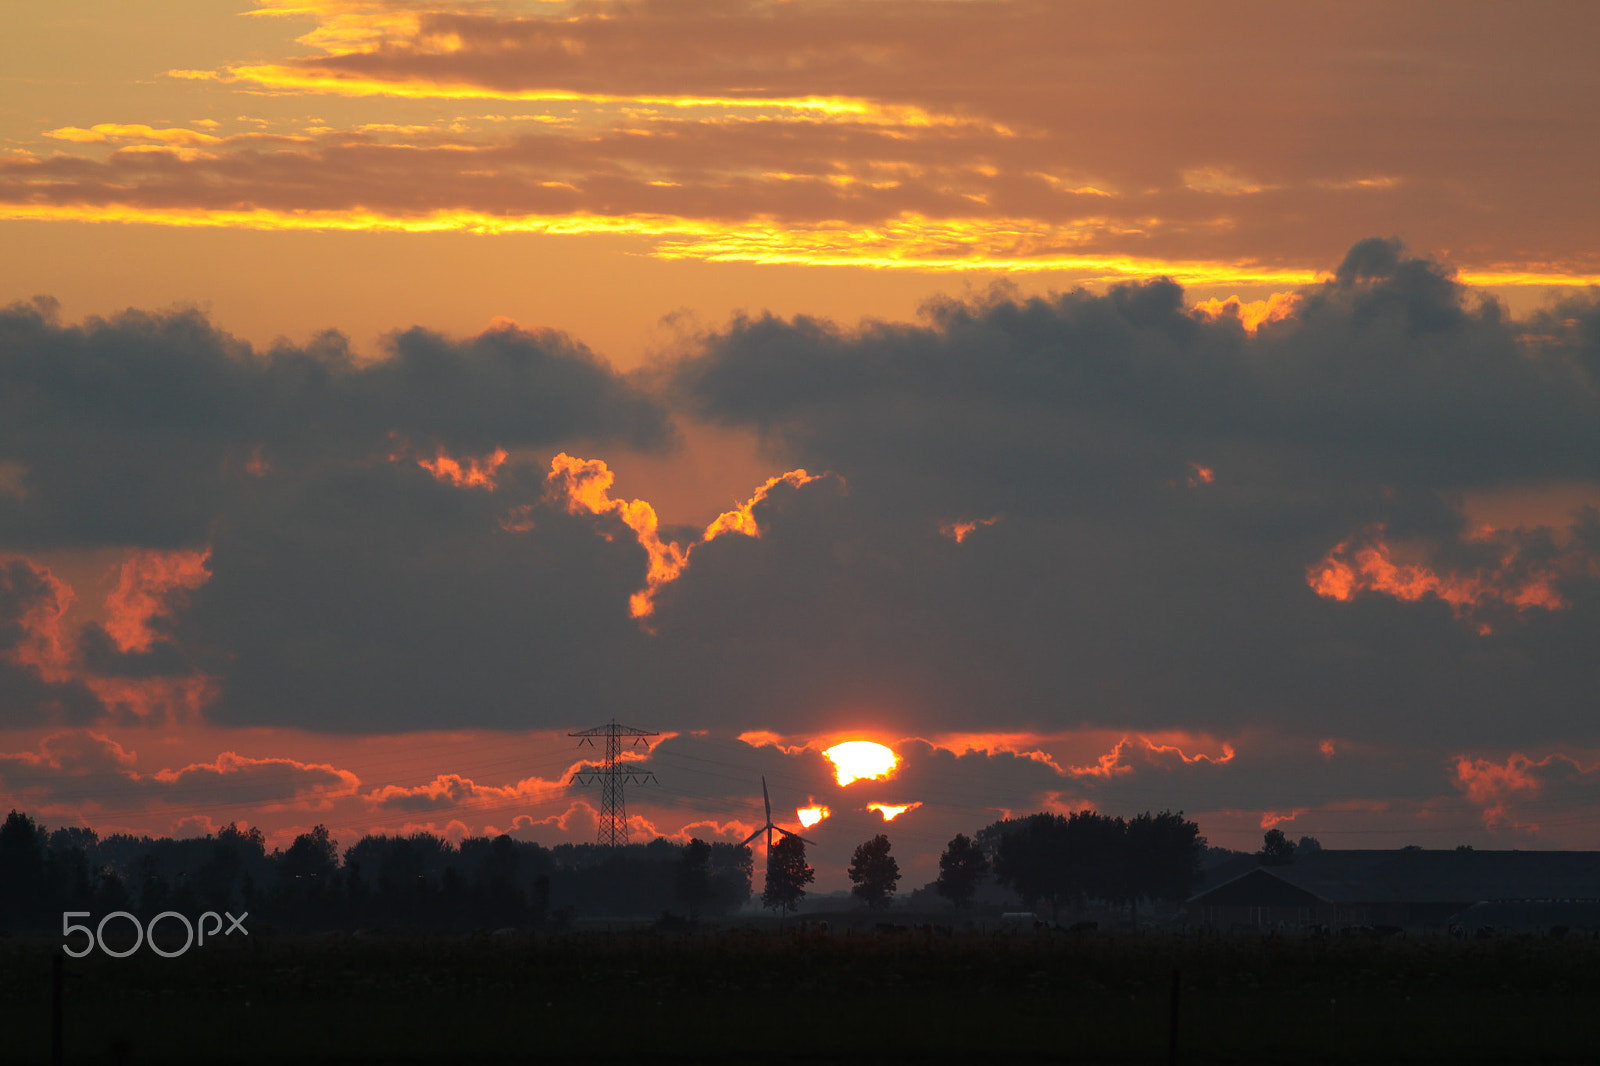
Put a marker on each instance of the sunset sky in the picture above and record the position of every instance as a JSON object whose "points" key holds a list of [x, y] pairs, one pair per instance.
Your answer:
{"points": [[1117, 405]]}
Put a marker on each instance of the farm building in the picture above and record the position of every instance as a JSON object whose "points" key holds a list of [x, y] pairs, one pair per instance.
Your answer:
{"points": [[1412, 888]]}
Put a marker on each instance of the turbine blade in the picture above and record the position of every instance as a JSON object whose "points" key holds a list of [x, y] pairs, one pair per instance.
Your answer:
{"points": [[765, 798], [751, 837]]}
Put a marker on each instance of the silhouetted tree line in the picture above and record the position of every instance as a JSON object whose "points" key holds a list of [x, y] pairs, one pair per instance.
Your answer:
{"points": [[417, 880], [1278, 850], [1072, 859]]}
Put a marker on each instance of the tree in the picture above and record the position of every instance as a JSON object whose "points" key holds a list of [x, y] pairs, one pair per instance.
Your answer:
{"points": [[1163, 858], [961, 868], [1087, 855], [224, 877], [1033, 860], [787, 875], [312, 856], [1276, 849], [22, 870], [1096, 858], [1308, 846], [694, 876], [493, 864], [731, 868], [874, 872]]}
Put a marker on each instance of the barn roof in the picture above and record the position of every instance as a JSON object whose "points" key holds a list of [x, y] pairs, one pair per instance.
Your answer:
{"points": [[1422, 876]]}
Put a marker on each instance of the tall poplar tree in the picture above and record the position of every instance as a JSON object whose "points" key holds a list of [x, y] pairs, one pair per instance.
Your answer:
{"points": [[787, 875]]}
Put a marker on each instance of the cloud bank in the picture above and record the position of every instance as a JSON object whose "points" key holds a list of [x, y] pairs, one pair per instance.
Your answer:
{"points": [[1255, 556]]}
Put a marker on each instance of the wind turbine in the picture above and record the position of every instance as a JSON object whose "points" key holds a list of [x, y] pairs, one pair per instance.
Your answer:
{"points": [[769, 828]]}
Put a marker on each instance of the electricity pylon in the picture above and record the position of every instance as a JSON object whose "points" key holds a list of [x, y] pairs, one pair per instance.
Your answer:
{"points": [[612, 777]]}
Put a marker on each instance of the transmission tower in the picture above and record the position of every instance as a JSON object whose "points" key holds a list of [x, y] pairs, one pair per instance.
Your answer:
{"points": [[612, 777]]}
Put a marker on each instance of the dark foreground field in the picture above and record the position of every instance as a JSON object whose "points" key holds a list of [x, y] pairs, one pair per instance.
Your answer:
{"points": [[740, 997]]}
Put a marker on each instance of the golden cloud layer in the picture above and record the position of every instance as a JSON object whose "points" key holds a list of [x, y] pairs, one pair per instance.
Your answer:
{"points": [[902, 134]]}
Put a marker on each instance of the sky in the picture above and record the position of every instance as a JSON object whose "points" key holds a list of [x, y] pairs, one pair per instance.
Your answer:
{"points": [[1123, 406]]}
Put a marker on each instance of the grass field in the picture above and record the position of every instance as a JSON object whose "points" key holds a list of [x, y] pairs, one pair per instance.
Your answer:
{"points": [[740, 996]]}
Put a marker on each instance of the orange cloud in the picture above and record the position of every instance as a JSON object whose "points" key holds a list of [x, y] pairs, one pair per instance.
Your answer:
{"points": [[732, 831], [75, 753], [195, 825], [1109, 765], [741, 519], [579, 822], [1486, 782], [1125, 753], [40, 642], [1252, 315], [1022, 745], [152, 585], [1155, 748], [891, 811], [455, 830], [763, 738], [151, 700], [585, 487], [1153, 753], [847, 114], [466, 473], [455, 791], [959, 530], [270, 781], [580, 819], [1367, 564], [108, 131], [1059, 803], [1496, 788], [1273, 819]]}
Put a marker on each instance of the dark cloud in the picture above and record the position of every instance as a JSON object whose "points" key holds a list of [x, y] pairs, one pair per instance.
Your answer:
{"points": [[384, 598], [1390, 373], [99, 654], [1117, 589], [142, 429], [87, 769], [1089, 511]]}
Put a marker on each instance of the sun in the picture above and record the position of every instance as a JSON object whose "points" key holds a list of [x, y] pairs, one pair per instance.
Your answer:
{"points": [[810, 816], [860, 760]]}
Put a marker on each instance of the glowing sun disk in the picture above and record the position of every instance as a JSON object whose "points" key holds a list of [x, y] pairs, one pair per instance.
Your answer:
{"points": [[810, 816], [858, 760]]}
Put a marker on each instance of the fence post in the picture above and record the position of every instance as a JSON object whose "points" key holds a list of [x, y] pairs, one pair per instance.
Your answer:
{"points": [[57, 968], [1172, 1028]]}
